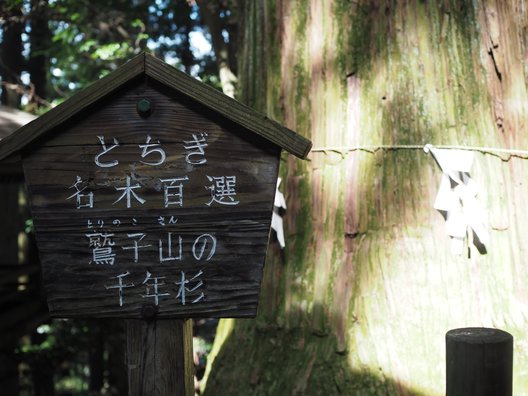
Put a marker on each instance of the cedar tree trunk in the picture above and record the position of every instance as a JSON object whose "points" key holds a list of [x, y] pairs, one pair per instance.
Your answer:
{"points": [[361, 298]]}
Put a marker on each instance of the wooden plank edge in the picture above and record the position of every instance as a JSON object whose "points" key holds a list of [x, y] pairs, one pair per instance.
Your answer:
{"points": [[246, 314], [228, 107], [72, 106]]}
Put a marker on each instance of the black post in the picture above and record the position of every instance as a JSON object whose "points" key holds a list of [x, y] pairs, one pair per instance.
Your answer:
{"points": [[479, 362]]}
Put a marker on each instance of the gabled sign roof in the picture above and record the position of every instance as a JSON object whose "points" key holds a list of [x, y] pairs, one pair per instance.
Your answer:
{"points": [[147, 65]]}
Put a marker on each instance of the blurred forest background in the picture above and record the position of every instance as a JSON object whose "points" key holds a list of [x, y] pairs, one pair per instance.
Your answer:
{"points": [[360, 299], [49, 50]]}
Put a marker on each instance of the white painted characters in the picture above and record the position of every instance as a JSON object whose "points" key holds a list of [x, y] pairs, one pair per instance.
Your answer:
{"points": [[189, 288], [120, 286], [152, 148], [152, 287], [194, 151], [151, 260], [173, 191], [186, 293], [128, 192], [132, 191], [102, 248], [169, 251], [138, 237], [195, 148], [202, 244], [170, 247], [108, 164], [222, 190], [82, 199]]}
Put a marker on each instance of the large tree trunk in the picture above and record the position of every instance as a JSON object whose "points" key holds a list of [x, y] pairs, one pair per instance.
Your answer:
{"points": [[367, 287]]}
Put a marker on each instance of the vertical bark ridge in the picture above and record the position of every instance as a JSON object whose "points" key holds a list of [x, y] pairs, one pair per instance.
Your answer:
{"points": [[361, 298]]}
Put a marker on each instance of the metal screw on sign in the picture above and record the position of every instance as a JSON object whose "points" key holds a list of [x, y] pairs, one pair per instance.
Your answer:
{"points": [[144, 108]]}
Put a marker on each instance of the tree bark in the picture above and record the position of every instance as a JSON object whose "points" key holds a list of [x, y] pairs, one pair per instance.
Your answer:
{"points": [[209, 12], [11, 60], [40, 40], [160, 357], [117, 367], [360, 300]]}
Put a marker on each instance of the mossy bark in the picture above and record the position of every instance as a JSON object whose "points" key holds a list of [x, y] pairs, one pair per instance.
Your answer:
{"points": [[361, 298]]}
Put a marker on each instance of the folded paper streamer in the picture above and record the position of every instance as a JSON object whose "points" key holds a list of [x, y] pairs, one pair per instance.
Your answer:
{"points": [[276, 218], [457, 197]]}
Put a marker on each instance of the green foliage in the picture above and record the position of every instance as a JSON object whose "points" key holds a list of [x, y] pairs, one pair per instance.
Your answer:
{"points": [[52, 346], [12, 4], [29, 227], [85, 40], [61, 349], [90, 38]]}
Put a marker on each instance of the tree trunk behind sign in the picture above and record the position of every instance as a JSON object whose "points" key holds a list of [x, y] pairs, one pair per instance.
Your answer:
{"points": [[11, 59], [40, 39], [359, 301]]}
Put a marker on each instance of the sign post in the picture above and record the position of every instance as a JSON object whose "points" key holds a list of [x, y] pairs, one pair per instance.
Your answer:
{"points": [[479, 361], [160, 357], [152, 197]]}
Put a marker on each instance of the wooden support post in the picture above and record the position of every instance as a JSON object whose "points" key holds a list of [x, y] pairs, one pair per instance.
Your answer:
{"points": [[160, 357], [479, 362]]}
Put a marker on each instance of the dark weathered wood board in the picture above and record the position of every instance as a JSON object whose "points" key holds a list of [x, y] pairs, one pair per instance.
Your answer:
{"points": [[78, 283]]}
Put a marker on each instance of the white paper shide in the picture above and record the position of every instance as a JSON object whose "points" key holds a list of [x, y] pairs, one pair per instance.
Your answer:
{"points": [[458, 198], [276, 219]]}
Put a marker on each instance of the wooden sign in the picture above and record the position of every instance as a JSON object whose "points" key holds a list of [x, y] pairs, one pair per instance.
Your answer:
{"points": [[152, 197]]}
